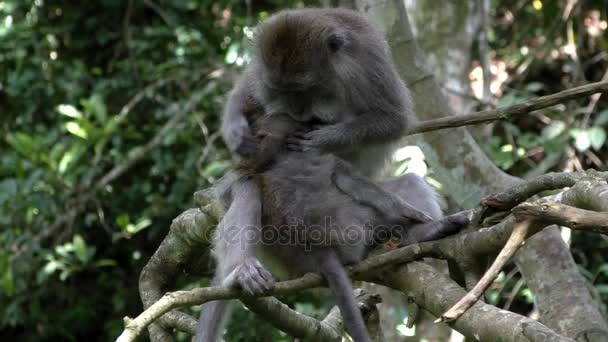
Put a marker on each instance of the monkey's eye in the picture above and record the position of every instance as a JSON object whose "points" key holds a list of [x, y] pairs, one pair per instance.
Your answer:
{"points": [[335, 42]]}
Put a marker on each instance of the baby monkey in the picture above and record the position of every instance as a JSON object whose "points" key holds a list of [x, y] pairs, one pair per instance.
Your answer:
{"points": [[317, 214]]}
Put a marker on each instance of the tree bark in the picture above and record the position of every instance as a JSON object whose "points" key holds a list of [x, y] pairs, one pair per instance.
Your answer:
{"points": [[467, 174]]}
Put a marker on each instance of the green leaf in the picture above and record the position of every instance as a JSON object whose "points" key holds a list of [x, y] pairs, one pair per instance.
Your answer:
{"points": [[602, 289], [552, 130], [603, 269], [80, 248], [69, 157], [597, 137], [8, 283], [581, 139], [528, 295], [104, 263], [123, 221], [69, 110], [76, 129], [533, 87], [602, 118], [96, 106], [23, 143]]}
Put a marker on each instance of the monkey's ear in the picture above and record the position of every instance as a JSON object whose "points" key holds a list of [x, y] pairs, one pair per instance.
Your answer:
{"points": [[335, 42]]}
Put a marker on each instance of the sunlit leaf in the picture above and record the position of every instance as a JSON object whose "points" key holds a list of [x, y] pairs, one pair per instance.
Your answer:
{"points": [[552, 130], [69, 157], [528, 295], [533, 87], [581, 139], [232, 54], [76, 129], [69, 110], [133, 229]]}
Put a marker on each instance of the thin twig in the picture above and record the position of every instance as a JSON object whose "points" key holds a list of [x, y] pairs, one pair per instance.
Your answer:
{"points": [[519, 234], [509, 112]]}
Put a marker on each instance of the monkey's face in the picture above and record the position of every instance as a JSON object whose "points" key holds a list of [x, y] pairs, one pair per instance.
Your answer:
{"points": [[296, 52]]}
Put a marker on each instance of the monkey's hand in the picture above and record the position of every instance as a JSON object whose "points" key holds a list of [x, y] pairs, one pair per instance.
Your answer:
{"points": [[322, 137], [251, 277], [248, 145]]}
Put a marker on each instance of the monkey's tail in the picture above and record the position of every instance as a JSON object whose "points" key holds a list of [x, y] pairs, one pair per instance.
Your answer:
{"points": [[213, 319], [341, 286]]}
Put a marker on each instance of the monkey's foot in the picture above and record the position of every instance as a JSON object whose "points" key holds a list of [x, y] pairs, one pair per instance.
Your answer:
{"points": [[437, 229], [252, 277], [455, 222]]}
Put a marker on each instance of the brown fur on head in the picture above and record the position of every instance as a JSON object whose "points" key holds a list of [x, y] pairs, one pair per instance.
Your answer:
{"points": [[296, 47], [335, 50]]}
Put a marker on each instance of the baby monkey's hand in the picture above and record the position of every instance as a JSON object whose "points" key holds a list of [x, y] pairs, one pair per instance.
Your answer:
{"points": [[318, 138]]}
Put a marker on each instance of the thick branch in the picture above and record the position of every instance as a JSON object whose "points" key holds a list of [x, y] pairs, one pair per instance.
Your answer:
{"points": [[482, 322], [564, 215], [511, 111], [529, 188], [292, 322]]}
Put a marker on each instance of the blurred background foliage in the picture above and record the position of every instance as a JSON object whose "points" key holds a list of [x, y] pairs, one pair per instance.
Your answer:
{"points": [[109, 112]]}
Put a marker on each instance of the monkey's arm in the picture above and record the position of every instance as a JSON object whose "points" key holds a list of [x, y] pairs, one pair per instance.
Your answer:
{"points": [[235, 128], [366, 128], [365, 191]]}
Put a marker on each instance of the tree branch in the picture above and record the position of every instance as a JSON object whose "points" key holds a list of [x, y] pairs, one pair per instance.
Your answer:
{"points": [[549, 181], [435, 292], [509, 112], [564, 215], [519, 234]]}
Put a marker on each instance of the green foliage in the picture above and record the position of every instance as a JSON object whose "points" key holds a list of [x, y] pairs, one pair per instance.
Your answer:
{"points": [[90, 181], [85, 86]]}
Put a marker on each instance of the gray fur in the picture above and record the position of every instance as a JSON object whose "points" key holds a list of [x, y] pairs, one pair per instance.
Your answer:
{"points": [[330, 71], [354, 93]]}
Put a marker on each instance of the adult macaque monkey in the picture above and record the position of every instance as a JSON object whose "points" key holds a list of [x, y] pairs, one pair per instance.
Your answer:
{"points": [[328, 68]]}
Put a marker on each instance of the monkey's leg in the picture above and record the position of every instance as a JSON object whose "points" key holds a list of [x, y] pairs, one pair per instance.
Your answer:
{"points": [[366, 192], [235, 240], [414, 190], [341, 286]]}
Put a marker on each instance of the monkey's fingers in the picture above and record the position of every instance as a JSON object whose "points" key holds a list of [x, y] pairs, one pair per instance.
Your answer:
{"points": [[298, 144], [295, 148], [254, 278]]}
